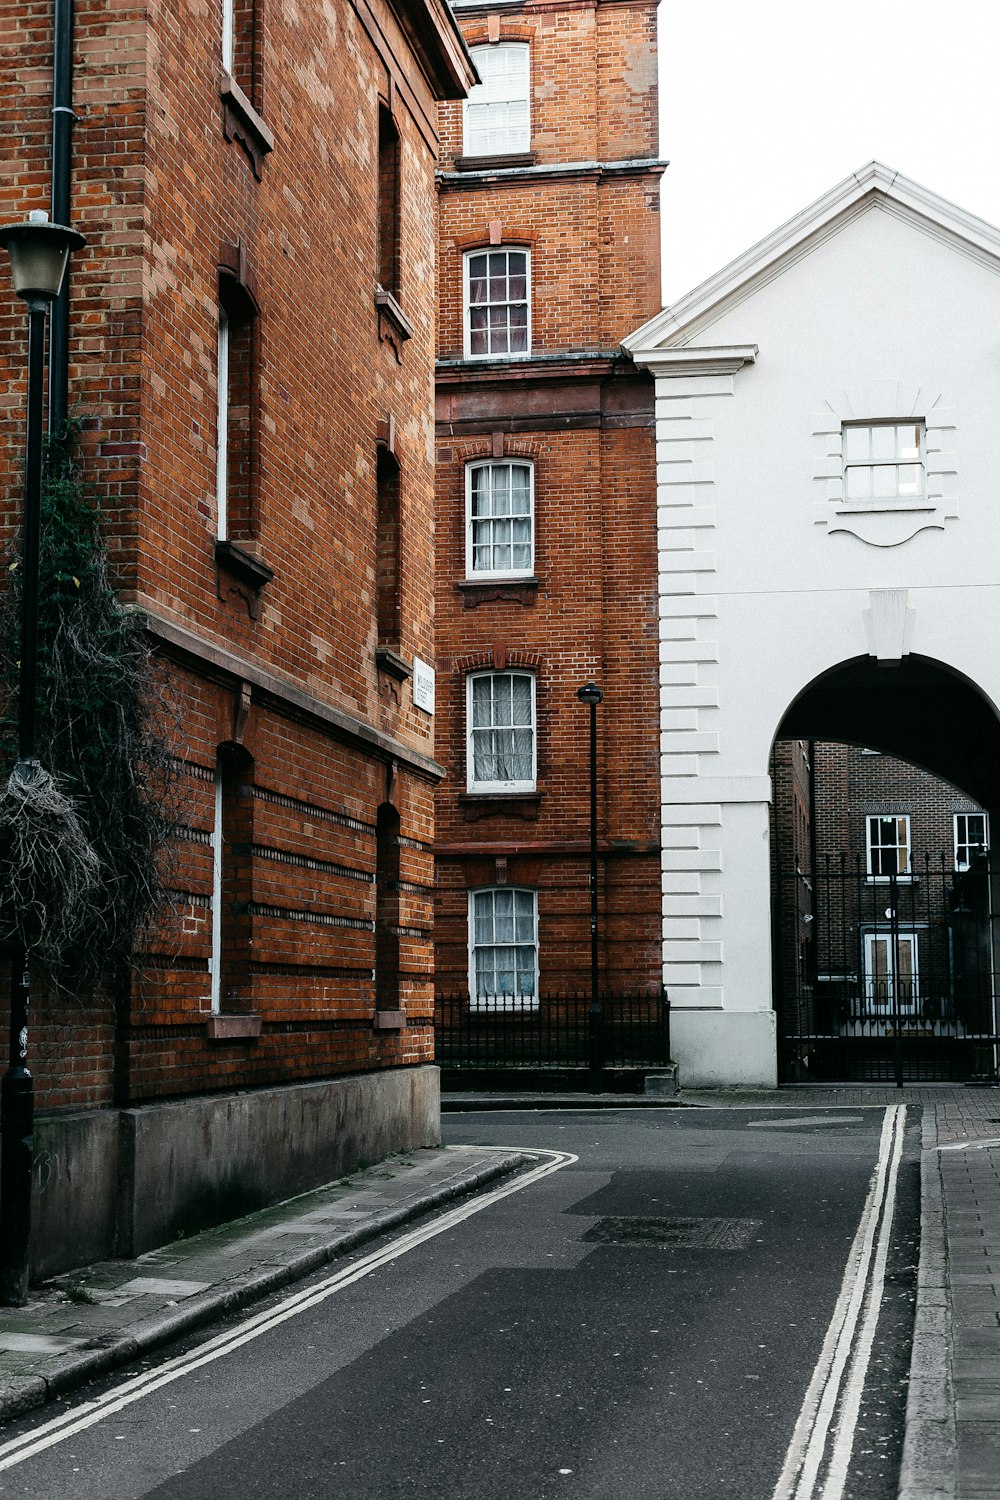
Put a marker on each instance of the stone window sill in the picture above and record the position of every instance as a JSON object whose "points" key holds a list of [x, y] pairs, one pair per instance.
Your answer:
{"points": [[476, 805], [242, 1028], [250, 572], [476, 591], [496, 163], [390, 310], [242, 123], [392, 664]]}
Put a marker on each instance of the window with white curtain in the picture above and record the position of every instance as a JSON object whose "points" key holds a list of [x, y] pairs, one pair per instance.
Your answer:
{"points": [[501, 732], [497, 303], [497, 111], [499, 517], [503, 948]]}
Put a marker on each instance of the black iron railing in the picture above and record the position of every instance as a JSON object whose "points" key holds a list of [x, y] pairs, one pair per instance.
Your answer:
{"points": [[552, 1031], [886, 977]]}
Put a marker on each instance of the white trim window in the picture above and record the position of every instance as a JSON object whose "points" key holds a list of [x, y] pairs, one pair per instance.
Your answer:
{"points": [[497, 303], [228, 34], [499, 508], [503, 948], [888, 840], [500, 709], [497, 112], [892, 975], [972, 833], [222, 431], [883, 463]]}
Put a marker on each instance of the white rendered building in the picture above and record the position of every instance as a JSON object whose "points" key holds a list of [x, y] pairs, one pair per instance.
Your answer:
{"points": [[828, 444]]}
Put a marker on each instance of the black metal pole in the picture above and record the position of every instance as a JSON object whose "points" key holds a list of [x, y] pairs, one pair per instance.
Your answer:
{"points": [[897, 1008], [596, 1013], [63, 119], [17, 1102]]}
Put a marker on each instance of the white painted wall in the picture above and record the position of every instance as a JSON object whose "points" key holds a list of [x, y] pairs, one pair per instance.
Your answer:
{"points": [[883, 313]]}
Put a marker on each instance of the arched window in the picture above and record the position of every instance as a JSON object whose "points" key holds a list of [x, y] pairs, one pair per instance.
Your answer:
{"points": [[503, 948], [497, 111], [500, 532], [232, 856], [387, 908]]}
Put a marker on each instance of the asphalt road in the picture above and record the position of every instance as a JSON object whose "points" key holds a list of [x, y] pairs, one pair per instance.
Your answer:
{"points": [[644, 1321]]}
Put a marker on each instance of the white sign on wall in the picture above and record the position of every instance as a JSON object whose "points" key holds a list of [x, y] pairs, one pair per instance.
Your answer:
{"points": [[423, 685]]}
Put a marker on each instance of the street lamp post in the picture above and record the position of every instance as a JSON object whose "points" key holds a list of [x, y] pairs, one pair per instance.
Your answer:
{"points": [[39, 253], [591, 694]]}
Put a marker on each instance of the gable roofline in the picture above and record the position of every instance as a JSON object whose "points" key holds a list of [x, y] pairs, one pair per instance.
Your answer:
{"points": [[873, 185]]}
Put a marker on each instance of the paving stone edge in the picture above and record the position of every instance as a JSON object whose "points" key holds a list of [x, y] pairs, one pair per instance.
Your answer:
{"points": [[66, 1371], [930, 1447]]}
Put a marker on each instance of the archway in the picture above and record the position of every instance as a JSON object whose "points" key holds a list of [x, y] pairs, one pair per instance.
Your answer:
{"points": [[883, 890]]}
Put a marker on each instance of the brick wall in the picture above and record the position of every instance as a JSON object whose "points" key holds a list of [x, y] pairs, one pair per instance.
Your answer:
{"points": [[180, 198], [585, 423]]}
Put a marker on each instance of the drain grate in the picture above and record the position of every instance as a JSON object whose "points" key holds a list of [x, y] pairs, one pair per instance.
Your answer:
{"points": [[676, 1234]]}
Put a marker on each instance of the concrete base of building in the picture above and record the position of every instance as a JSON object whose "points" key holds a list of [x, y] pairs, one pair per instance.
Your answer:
{"points": [[725, 1048], [119, 1182]]}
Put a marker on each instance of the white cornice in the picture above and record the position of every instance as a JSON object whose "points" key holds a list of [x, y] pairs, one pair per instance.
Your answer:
{"points": [[874, 185], [721, 359]]}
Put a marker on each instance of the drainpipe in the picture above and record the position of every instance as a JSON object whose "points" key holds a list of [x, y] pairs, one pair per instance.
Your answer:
{"points": [[62, 134]]}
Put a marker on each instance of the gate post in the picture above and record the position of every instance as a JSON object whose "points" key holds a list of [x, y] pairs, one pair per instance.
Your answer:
{"points": [[897, 1014]]}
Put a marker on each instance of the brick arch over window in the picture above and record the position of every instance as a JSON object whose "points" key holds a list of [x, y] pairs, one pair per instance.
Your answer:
{"points": [[477, 33], [498, 659], [511, 237]]}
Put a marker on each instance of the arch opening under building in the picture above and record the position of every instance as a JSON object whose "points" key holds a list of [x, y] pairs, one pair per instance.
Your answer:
{"points": [[883, 891]]}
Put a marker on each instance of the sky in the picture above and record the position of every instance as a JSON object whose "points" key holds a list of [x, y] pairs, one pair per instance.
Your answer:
{"points": [[765, 106]]}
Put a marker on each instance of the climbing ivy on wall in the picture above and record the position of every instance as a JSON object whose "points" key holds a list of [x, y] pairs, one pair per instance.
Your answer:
{"points": [[81, 835]]}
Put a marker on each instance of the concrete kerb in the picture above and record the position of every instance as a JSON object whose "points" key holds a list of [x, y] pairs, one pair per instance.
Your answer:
{"points": [[930, 1450], [64, 1372]]}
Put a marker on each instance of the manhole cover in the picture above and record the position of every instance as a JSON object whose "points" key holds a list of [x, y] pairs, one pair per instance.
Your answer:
{"points": [[676, 1234]]}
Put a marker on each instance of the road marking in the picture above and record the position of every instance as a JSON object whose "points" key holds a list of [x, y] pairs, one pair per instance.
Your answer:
{"points": [[969, 1145], [89, 1413], [799, 1122], [848, 1342]]}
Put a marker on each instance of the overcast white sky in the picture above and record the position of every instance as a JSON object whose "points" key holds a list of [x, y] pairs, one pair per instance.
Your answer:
{"points": [[765, 104]]}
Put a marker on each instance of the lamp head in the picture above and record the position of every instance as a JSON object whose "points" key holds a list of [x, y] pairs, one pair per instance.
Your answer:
{"points": [[590, 693], [39, 253]]}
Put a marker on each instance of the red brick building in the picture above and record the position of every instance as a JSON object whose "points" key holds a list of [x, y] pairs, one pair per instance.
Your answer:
{"points": [[252, 344], [548, 254]]}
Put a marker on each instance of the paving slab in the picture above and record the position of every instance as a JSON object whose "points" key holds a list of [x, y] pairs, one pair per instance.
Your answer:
{"points": [[86, 1322]]}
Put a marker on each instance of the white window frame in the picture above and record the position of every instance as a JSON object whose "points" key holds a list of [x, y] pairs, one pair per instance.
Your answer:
{"points": [[222, 431], [887, 1009], [491, 464], [488, 126], [515, 1001], [900, 499], [467, 307], [870, 846], [228, 34], [522, 784], [964, 842]]}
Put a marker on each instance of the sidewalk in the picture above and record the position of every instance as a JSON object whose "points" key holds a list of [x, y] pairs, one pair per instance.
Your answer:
{"points": [[90, 1321]]}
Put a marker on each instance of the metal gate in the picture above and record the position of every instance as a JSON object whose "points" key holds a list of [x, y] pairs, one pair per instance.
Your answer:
{"points": [[885, 978]]}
